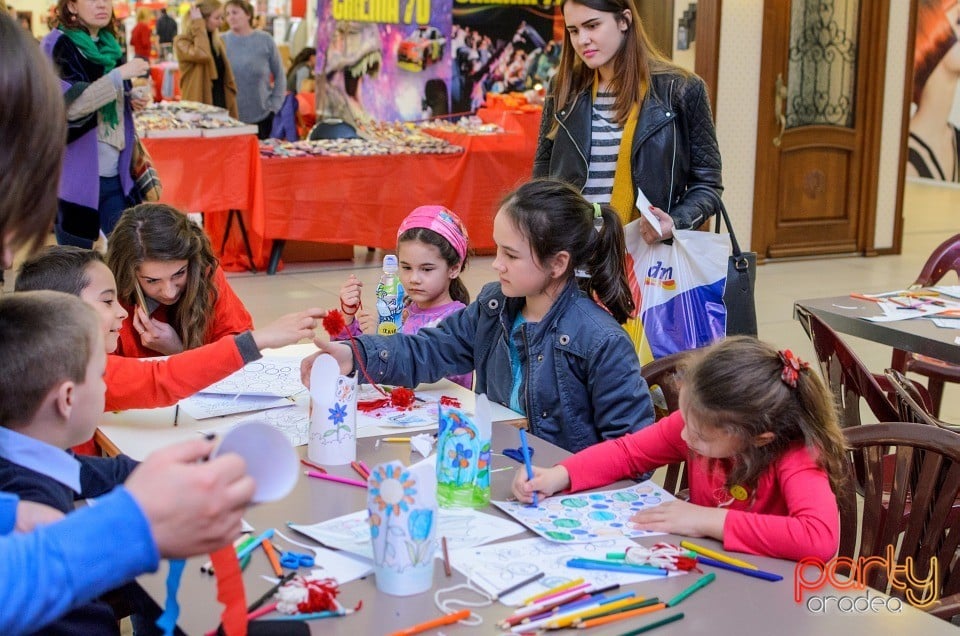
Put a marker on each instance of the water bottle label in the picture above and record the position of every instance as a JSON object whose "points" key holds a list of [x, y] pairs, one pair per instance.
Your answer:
{"points": [[386, 329]]}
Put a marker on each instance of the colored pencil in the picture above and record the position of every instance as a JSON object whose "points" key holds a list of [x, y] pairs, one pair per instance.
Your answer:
{"points": [[272, 557], [310, 464], [446, 557], [309, 617], [637, 604], [865, 297], [602, 607], [365, 468], [519, 584], [758, 574], [703, 581], [449, 619], [533, 610], [580, 603], [359, 470], [609, 566], [619, 616], [719, 556], [396, 440], [542, 596], [269, 593], [525, 449], [654, 625], [336, 478], [253, 545]]}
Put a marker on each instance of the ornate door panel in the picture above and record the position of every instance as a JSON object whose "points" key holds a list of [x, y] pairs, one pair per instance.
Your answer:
{"points": [[814, 127]]}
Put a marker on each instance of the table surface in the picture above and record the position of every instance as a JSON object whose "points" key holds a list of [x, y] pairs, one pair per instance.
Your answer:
{"points": [[734, 604], [918, 335]]}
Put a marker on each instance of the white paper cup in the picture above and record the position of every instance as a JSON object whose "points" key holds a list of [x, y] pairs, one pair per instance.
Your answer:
{"points": [[413, 580], [271, 460]]}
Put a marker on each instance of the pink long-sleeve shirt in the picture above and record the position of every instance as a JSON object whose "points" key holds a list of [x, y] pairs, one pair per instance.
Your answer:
{"points": [[792, 513]]}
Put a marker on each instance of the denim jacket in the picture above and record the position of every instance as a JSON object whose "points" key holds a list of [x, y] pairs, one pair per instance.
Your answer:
{"points": [[581, 375]]}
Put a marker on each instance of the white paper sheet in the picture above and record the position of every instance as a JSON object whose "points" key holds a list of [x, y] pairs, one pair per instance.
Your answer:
{"points": [[205, 405], [643, 205], [277, 377]]}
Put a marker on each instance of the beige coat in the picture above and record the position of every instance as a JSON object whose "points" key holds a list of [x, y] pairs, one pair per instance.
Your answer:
{"points": [[197, 69]]}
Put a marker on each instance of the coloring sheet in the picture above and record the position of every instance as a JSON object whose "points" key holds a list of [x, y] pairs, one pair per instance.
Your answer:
{"points": [[502, 565], [277, 377], [204, 405], [292, 421], [586, 517], [463, 528], [423, 413]]}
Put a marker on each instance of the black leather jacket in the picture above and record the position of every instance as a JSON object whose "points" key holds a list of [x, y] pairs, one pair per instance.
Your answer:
{"points": [[675, 157]]}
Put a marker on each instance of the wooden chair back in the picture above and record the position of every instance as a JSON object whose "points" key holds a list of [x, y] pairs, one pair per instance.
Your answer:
{"points": [[915, 516], [663, 380], [913, 402], [846, 375]]}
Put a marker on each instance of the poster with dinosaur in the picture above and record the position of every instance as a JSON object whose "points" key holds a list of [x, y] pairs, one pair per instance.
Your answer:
{"points": [[387, 60]]}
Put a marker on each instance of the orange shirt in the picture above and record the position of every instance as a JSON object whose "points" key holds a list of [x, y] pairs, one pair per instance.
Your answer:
{"points": [[229, 317]]}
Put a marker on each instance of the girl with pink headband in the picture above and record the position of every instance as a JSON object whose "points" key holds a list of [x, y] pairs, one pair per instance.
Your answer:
{"points": [[432, 250]]}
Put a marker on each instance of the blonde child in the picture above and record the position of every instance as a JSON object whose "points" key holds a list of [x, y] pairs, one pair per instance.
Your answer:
{"points": [[538, 340], [764, 452], [432, 250]]}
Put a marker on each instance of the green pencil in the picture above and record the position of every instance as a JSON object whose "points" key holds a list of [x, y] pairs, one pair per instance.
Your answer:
{"points": [[654, 625], [703, 581]]}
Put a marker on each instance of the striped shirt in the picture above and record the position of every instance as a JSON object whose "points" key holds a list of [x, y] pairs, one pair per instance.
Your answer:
{"points": [[604, 146]]}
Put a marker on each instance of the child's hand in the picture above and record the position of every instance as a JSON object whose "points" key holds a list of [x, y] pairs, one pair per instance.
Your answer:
{"points": [[350, 297], [288, 329], [682, 517], [546, 481], [342, 353], [156, 334], [648, 232], [31, 514], [368, 322]]}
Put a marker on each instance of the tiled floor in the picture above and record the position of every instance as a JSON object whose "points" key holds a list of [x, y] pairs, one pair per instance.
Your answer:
{"points": [[930, 218]]}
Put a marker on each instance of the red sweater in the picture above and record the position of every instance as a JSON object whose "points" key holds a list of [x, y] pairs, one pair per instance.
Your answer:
{"points": [[229, 317], [792, 513], [140, 39]]}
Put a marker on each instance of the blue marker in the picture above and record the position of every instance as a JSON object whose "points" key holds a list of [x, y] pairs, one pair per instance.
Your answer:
{"points": [[525, 448]]}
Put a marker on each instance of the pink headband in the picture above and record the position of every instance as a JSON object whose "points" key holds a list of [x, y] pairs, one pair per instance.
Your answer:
{"points": [[440, 220]]}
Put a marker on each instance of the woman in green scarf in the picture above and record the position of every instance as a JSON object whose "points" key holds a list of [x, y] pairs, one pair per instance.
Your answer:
{"points": [[96, 185]]}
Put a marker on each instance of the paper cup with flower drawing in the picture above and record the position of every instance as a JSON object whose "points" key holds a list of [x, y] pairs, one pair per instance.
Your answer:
{"points": [[463, 456], [333, 416], [402, 507]]}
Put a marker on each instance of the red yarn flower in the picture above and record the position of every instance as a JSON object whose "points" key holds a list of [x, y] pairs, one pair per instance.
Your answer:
{"points": [[334, 323], [401, 397]]}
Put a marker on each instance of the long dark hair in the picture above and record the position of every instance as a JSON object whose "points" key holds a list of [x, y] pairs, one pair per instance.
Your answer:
{"points": [[555, 218], [736, 385], [159, 232]]}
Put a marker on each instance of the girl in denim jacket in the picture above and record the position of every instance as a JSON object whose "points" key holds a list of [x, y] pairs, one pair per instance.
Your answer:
{"points": [[545, 340]]}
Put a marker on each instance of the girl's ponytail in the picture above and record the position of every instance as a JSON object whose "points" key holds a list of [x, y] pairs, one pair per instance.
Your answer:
{"points": [[605, 260]]}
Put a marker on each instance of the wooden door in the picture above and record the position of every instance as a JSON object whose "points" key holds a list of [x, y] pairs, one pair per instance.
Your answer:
{"points": [[821, 88]]}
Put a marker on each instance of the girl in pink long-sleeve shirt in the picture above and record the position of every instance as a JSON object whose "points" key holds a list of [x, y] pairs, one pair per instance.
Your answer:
{"points": [[432, 250], [759, 432]]}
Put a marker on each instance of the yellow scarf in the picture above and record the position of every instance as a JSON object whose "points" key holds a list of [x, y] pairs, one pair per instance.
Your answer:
{"points": [[623, 200]]}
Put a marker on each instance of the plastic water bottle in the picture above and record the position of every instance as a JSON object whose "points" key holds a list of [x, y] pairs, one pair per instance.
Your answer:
{"points": [[389, 298]]}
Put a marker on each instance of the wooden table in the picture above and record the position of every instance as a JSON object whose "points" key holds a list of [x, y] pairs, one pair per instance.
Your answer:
{"points": [[918, 335]]}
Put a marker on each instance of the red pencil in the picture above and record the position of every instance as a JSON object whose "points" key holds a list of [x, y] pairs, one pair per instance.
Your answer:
{"points": [[310, 464], [360, 471]]}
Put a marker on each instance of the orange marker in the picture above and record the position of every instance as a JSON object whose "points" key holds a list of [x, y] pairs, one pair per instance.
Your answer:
{"points": [[612, 618], [272, 556], [449, 619]]}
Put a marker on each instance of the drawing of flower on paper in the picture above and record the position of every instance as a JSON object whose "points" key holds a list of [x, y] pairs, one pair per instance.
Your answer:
{"points": [[419, 524], [392, 489], [337, 415]]}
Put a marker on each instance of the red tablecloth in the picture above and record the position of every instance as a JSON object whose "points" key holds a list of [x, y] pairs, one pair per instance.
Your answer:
{"points": [[215, 175]]}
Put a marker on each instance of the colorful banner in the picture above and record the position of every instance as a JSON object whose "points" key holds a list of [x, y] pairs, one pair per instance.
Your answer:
{"points": [[385, 59], [501, 47]]}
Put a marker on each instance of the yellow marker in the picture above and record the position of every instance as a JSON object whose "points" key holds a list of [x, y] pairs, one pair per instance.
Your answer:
{"points": [[568, 620], [399, 440], [552, 591], [719, 556]]}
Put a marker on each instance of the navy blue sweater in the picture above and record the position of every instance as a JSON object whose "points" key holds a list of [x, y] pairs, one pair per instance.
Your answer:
{"points": [[98, 476]]}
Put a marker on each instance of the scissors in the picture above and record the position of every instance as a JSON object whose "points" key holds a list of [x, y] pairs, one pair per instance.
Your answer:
{"points": [[296, 560], [516, 454]]}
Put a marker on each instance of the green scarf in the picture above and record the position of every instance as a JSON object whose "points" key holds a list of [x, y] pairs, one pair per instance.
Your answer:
{"points": [[106, 52]]}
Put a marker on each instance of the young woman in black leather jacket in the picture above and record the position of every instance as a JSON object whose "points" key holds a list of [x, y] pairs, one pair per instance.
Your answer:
{"points": [[613, 85]]}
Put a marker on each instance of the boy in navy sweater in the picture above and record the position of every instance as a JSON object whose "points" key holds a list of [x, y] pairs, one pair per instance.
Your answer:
{"points": [[52, 359]]}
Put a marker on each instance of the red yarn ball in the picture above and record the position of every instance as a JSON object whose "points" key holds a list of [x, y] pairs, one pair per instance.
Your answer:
{"points": [[333, 323], [402, 397]]}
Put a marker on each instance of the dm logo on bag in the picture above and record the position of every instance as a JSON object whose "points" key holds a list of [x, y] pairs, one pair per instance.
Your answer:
{"points": [[660, 276]]}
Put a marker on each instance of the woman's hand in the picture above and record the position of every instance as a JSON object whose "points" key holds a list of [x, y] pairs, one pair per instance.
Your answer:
{"points": [[195, 13], [648, 232], [156, 334], [350, 297], [342, 353], [289, 329], [682, 517], [137, 67], [546, 481]]}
